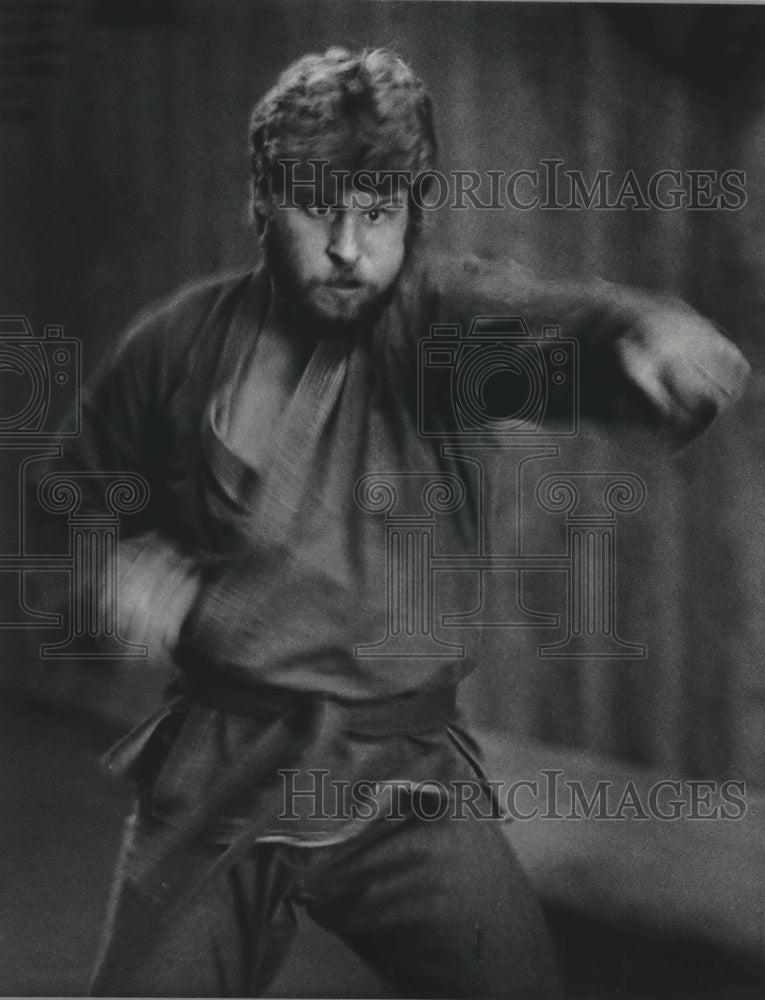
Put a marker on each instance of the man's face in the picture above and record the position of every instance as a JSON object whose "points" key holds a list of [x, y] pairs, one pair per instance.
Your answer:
{"points": [[338, 259]]}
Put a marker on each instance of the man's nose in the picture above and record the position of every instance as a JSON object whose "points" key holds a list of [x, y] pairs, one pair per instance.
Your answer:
{"points": [[343, 246]]}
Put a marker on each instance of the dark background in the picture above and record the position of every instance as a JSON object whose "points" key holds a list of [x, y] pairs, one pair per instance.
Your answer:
{"points": [[124, 174]]}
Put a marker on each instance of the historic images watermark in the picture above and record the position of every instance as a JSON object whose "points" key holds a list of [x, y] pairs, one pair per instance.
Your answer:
{"points": [[41, 379], [41, 410], [311, 796], [496, 389], [495, 379], [548, 186]]}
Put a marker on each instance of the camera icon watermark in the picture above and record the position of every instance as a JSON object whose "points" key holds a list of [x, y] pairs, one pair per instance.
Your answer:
{"points": [[41, 379], [40, 407], [497, 380]]}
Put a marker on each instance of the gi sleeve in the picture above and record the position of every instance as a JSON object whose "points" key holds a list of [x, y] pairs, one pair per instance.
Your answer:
{"points": [[642, 357], [112, 460]]}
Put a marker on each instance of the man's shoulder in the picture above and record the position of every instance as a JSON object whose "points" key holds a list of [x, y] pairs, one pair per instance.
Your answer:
{"points": [[451, 271], [175, 340], [458, 285], [179, 316]]}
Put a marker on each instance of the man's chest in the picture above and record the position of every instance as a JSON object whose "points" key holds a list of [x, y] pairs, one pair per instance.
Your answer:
{"points": [[260, 397]]}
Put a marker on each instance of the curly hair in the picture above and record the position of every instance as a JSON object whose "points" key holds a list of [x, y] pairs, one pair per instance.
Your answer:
{"points": [[366, 111]]}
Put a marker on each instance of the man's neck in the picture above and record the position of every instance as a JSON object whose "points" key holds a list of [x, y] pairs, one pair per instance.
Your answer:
{"points": [[286, 323]]}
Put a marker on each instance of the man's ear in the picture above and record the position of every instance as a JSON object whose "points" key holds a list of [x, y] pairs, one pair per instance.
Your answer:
{"points": [[261, 209]]}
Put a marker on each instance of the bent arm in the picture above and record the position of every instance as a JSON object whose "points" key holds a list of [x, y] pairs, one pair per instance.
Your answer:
{"points": [[155, 581]]}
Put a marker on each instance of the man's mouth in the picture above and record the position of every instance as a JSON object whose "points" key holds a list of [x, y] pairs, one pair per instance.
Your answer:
{"points": [[343, 283]]}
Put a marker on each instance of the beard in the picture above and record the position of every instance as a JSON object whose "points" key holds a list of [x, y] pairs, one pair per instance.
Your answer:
{"points": [[341, 307]]}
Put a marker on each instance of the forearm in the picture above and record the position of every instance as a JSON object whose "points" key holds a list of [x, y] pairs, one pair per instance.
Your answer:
{"points": [[642, 356], [156, 587]]}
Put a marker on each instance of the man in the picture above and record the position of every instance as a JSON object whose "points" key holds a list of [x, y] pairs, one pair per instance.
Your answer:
{"points": [[260, 410]]}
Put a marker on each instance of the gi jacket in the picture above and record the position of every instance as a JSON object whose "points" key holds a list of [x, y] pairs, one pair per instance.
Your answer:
{"points": [[313, 575]]}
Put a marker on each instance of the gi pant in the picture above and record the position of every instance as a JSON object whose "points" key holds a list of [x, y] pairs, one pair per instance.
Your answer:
{"points": [[439, 909]]}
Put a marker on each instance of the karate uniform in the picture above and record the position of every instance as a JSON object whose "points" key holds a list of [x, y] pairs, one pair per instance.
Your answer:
{"points": [[277, 662]]}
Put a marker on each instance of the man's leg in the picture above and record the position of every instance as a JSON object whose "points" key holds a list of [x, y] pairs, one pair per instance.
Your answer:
{"points": [[227, 940], [441, 909]]}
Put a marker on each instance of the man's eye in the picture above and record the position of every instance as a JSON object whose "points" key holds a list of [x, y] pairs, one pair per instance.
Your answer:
{"points": [[318, 211], [376, 215]]}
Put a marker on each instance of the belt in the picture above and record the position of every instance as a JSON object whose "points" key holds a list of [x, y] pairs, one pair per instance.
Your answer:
{"points": [[167, 875], [399, 715], [321, 720]]}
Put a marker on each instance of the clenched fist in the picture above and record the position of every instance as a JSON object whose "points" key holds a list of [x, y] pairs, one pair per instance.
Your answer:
{"points": [[652, 361], [156, 586], [683, 366]]}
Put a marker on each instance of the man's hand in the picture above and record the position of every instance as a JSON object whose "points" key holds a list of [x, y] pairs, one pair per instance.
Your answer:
{"points": [[683, 367], [156, 587]]}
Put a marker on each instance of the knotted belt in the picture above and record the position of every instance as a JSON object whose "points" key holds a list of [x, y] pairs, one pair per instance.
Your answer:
{"points": [[405, 714], [295, 729]]}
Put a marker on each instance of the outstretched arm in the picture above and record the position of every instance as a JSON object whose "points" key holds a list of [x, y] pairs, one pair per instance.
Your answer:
{"points": [[644, 356]]}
